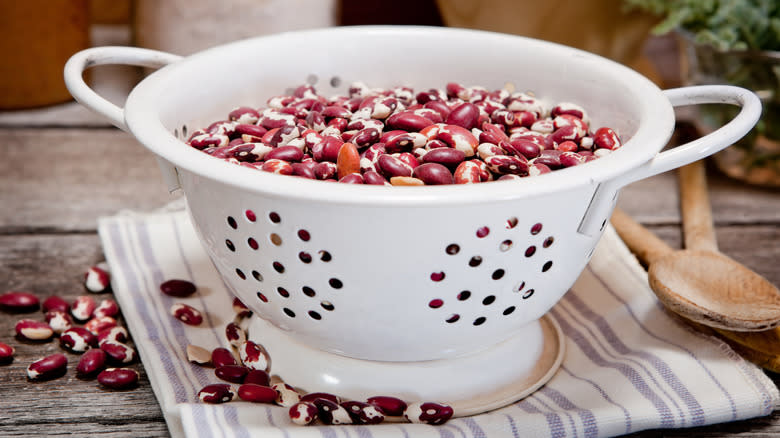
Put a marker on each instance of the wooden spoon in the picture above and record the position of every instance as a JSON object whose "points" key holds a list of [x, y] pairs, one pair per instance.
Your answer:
{"points": [[699, 282]]}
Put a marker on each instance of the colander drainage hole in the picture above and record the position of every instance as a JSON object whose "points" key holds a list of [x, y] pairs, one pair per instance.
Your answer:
{"points": [[511, 223], [257, 276], [304, 256], [262, 297], [309, 292], [289, 312], [520, 286], [304, 235], [278, 267], [315, 315], [482, 232], [250, 215], [335, 81], [452, 249], [274, 217], [547, 266], [475, 261], [463, 296], [327, 305], [488, 300], [453, 318], [230, 245], [479, 321], [335, 283], [498, 274], [531, 250], [548, 242], [437, 276], [505, 245], [240, 274], [283, 292], [276, 239], [184, 131], [536, 229], [435, 303], [232, 222], [528, 294], [252, 243], [325, 256], [508, 310]]}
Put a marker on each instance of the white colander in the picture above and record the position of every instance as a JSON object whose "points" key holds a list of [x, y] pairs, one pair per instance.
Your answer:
{"points": [[400, 274]]}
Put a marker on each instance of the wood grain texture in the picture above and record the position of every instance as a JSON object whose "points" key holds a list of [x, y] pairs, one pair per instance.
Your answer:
{"points": [[54, 265], [62, 180], [698, 228], [702, 285]]}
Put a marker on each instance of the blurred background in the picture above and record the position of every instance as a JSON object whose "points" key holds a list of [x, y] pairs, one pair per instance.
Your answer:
{"points": [[40, 35]]}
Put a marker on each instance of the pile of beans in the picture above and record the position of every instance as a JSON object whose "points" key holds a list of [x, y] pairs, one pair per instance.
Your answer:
{"points": [[84, 327], [247, 364], [459, 135]]}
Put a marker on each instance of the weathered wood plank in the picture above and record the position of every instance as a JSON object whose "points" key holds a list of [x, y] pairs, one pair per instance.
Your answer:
{"points": [[54, 265], [64, 179], [66, 428], [656, 200]]}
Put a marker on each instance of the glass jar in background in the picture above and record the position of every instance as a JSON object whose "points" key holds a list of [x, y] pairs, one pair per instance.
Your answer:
{"points": [[756, 158]]}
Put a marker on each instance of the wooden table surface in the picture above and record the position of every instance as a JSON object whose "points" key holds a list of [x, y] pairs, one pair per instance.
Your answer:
{"points": [[63, 167]]}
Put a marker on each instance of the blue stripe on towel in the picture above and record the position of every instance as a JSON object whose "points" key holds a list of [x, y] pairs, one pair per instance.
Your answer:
{"points": [[686, 350], [586, 416], [583, 342], [641, 359], [124, 263], [603, 394], [553, 420]]}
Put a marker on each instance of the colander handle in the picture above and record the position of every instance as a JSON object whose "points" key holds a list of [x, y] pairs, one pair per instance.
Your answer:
{"points": [[74, 75], [709, 144], [604, 199]]}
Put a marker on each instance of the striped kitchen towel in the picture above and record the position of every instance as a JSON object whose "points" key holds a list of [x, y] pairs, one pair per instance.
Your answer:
{"points": [[629, 366]]}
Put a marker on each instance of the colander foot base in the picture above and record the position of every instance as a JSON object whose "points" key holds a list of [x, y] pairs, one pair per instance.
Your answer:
{"points": [[471, 384]]}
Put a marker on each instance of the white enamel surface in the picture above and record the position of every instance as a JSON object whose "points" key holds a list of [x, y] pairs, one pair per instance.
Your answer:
{"points": [[470, 384], [386, 241]]}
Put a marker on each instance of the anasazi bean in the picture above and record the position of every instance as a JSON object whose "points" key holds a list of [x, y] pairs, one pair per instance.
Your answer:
{"points": [[376, 136]]}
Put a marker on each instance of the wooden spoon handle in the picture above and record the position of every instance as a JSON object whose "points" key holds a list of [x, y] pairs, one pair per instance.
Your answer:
{"points": [[695, 206], [647, 247]]}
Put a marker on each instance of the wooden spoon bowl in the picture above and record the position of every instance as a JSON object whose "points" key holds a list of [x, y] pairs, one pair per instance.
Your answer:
{"points": [[715, 290]]}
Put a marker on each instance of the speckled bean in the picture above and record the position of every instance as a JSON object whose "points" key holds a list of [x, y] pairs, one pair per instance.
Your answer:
{"points": [[217, 393], [97, 280], [19, 301], [231, 373], [428, 413], [254, 356], [48, 367], [77, 339], [91, 362], [433, 174], [55, 302], [118, 378], [33, 330], [6, 353]]}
